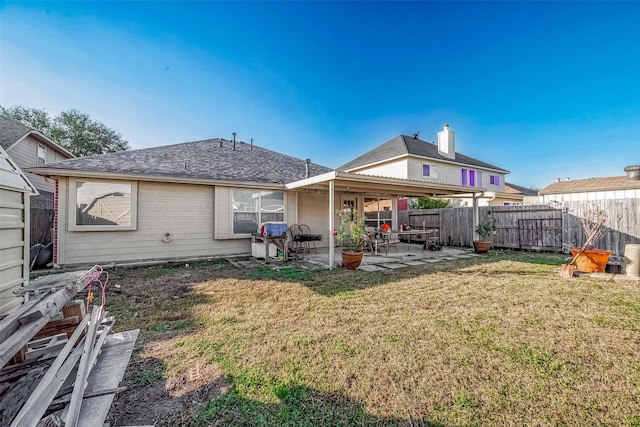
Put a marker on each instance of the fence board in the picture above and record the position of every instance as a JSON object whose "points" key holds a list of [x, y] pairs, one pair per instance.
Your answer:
{"points": [[41, 225], [551, 228]]}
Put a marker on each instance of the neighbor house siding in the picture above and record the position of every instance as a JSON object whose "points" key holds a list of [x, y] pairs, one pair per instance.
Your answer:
{"points": [[14, 247], [184, 211], [396, 169], [25, 155], [25, 152], [591, 195]]}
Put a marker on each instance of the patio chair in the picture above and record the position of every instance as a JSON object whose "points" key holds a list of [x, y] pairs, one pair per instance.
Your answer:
{"points": [[308, 238], [386, 241]]}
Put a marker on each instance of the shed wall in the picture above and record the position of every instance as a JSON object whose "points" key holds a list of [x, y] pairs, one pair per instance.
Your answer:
{"points": [[14, 244]]}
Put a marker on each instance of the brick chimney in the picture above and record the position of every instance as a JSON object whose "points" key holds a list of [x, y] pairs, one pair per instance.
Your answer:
{"points": [[447, 143]]}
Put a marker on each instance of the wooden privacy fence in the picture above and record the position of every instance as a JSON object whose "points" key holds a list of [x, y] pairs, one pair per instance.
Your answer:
{"points": [[535, 227], [41, 225]]}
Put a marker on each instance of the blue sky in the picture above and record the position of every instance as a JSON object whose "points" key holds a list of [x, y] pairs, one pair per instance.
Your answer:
{"points": [[542, 89]]}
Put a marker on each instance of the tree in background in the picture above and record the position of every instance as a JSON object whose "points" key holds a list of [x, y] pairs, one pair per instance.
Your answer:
{"points": [[72, 129], [429, 203]]}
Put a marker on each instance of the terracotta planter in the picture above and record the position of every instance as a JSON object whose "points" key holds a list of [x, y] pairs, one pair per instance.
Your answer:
{"points": [[351, 260], [481, 247], [591, 260]]}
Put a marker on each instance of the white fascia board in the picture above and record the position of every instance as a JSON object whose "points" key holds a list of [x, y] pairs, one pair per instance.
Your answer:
{"points": [[325, 177], [379, 162]]}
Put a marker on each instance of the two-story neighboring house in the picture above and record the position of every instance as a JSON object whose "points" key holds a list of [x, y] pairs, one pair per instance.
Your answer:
{"points": [[28, 148], [409, 157]]}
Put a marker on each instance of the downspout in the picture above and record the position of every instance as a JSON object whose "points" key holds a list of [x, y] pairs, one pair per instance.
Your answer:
{"points": [[331, 224]]}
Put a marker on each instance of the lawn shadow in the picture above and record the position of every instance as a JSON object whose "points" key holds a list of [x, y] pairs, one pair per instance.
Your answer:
{"points": [[209, 398], [340, 280]]}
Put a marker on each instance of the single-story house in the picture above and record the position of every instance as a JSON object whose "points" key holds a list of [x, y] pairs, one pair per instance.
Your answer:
{"points": [[205, 198], [15, 193], [515, 195], [605, 188]]}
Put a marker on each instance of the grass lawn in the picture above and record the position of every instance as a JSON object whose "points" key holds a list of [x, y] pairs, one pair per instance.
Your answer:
{"points": [[494, 340]]}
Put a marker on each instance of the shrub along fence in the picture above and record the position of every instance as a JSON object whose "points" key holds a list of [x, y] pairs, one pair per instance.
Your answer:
{"points": [[536, 227]]}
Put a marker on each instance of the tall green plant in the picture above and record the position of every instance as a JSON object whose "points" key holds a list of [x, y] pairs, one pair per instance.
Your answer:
{"points": [[429, 203], [351, 233]]}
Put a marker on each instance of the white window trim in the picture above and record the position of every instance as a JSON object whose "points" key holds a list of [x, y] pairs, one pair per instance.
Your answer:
{"points": [[44, 150], [256, 190], [433, 170], [73, 184]]}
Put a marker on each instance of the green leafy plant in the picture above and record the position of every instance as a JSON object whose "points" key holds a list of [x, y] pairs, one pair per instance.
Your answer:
{"points": [[351, 233], [486, 228]]}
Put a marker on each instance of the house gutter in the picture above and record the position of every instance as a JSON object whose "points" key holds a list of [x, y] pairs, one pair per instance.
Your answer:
{"points": [[48, 173]]}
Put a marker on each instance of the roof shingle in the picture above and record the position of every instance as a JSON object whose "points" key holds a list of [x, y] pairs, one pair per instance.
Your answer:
{"points": [[211, 159], [407, 145], [590, 184], [11, 131]]}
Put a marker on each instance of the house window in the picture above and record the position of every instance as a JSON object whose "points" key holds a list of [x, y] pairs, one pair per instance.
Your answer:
{"points": [[471, 178], [103, 205], [429, 171], [42, 154], [377, 212], [251, 208], [494, 179]]}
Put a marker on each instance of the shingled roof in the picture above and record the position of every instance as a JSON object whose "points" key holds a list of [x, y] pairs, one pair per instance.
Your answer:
{"points": [[211, 159], [11, 131], [403, 145], [517, 189], [591, 184]]}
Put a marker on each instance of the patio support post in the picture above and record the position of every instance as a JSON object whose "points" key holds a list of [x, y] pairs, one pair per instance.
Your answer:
{"points": [[331, 224], [476, 216]]}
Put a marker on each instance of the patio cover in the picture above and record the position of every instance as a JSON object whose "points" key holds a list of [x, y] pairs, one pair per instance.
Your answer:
{"points": [[337, 181]]}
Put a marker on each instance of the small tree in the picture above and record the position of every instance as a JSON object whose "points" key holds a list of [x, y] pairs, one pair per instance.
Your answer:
{"points": [[429, 203]]}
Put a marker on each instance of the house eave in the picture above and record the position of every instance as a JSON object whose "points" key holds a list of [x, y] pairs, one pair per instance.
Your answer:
{"points": [[54, 173], [415, 156], [362, 183]]}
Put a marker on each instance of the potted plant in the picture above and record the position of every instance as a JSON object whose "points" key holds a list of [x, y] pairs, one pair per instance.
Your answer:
{"points": [[484, 230], [352, 237]]}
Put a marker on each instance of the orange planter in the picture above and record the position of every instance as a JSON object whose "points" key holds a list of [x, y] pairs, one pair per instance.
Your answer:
{"points": [[591, 260]]}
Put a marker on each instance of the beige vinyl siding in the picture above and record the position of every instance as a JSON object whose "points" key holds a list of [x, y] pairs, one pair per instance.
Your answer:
{"points": [[395, 169], [451, 174], [184, 211], [591, 196], [313, 210], [447, 173], [25, 154], [14, 248]]}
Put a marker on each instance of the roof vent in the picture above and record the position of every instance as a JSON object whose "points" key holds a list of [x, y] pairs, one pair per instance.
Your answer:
{"points": [[416, 135], [633, 172], [556, 180], [307, 162]]}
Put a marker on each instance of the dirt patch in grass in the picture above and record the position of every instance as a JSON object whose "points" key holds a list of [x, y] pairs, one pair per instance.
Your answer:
{"points": [[493, 340]]}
